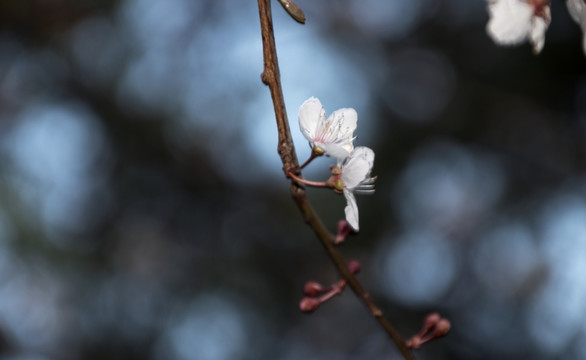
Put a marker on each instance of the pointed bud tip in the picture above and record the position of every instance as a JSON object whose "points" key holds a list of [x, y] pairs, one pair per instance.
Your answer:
{"points": [[293, 10]]}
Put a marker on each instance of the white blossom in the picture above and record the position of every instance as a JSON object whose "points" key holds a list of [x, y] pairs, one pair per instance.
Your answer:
{"points": [[333, 136], [515, 21], [577, 9], [356, 178]]}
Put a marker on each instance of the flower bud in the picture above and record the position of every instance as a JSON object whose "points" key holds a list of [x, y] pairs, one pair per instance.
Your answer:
{"points": [[434, 327], [442, 327], [353, 266], [313, 288], [309, 304], [344, 229]]}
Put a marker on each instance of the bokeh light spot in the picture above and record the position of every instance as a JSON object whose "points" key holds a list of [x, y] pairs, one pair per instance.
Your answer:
{"points": [[418, 268]]}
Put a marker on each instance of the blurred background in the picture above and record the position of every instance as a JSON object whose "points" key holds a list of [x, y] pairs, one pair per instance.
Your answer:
{"points": [[144, 214]]}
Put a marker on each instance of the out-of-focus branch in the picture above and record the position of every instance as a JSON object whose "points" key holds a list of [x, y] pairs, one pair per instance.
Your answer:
{"points": [[271, 77]]}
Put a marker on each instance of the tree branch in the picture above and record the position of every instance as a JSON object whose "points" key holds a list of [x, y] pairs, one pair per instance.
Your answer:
{"points": [[271, 77]]}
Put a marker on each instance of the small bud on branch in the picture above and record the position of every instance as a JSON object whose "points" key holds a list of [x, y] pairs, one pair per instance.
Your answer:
{"points": [[309, 304], [313, 288], [344, 229], [433, 328], [354, 266], [294, 10]]}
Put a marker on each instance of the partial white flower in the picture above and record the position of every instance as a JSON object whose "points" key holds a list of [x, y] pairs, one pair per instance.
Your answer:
{"points": [[515, 21], [355, 175], [334, 136], [577, 9]]}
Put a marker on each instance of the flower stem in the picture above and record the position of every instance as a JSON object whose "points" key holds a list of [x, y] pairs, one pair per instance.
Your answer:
{"points": [[310, 159], [308, 182]]}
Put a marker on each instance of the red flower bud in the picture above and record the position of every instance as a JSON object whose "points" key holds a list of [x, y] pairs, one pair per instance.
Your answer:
{"points": [[353, 266], [442, 327], [313, 288], [308, 304], [344, 229]]}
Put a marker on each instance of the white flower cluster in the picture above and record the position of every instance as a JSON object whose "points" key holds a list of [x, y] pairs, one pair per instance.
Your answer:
{"points": [[335, 137], [515, 21]]}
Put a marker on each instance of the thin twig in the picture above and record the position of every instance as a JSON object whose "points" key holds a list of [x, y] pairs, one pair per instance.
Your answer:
{"points": [[286, 149], [310, 159], [308, 182]]}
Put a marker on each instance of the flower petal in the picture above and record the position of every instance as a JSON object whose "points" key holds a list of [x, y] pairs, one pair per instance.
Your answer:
{"points": [[351, 209], [339, 151], [576, 9], [311, 116], [537, 35], [336, 135], [510, 21], [344, 120], [357, 167]]}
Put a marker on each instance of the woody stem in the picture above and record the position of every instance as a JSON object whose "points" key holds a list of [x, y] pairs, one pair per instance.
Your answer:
{"points": [[271, 77]]}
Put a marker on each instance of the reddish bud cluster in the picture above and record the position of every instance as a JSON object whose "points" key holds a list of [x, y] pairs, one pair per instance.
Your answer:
{"points": [[313, 289], [317, 294], [434, 327]]}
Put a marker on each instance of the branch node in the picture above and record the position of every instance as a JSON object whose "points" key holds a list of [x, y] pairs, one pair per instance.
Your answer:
{"points": [[264, 78]]}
